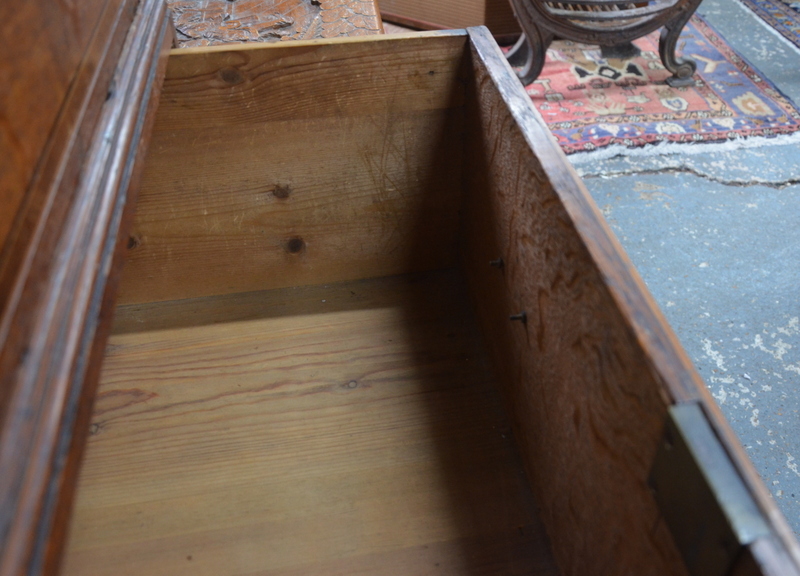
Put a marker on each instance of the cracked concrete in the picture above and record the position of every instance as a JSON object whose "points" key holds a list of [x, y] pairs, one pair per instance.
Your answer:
{"points": [[716, 237], [776, 165], [777, 185]]}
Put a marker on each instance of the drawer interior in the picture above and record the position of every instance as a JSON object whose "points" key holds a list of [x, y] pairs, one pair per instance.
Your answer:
{"points": [[313, 368], [350, 428], [343, 418]]}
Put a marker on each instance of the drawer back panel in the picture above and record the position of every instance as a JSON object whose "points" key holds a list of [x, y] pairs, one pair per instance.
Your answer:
{"points": [[295, 165]]}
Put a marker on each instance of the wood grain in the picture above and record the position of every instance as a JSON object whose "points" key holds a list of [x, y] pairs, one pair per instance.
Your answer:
{"points": [[342, 429], [592, 371], [43, 46], [588, 405], [334, 429], [211, 22], [496, 15], [288, 166], [53, 327], [61, 57]]}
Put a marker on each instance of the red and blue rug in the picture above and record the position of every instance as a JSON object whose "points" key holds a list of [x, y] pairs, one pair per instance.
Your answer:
{"points": [[590, 102], [782, 15]]}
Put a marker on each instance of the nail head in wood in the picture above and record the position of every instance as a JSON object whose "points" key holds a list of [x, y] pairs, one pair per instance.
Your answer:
{"points": [[521, 317]]}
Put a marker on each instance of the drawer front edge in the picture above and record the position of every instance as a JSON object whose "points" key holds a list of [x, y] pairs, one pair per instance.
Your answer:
{"points": [[54, 327]]}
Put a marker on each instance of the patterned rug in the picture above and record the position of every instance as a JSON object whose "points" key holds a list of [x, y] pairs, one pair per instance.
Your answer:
{"points": [[782, 15], [590, 102]]}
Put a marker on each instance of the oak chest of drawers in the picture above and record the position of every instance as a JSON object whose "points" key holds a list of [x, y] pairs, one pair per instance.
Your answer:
{"points": [[370, 322]]}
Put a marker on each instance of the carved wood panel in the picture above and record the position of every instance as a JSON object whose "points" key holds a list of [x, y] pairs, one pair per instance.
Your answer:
{"points": [[210, 22]]}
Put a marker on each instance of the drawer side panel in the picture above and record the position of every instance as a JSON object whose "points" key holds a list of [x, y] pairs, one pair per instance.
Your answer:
{"points": [[592, 370]]}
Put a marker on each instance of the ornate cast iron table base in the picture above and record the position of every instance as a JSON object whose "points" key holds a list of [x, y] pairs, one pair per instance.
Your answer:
{"points": [[612, 24]]}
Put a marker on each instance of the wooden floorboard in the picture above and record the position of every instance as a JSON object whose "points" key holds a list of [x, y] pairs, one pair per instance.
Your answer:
{"points": [[344, 429]]}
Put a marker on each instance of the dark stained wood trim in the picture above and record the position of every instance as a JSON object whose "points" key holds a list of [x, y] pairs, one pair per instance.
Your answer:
{"points": [[105, 301], [61, 158], [400, 20], [49, 52], [497, 15], [56, 326]]}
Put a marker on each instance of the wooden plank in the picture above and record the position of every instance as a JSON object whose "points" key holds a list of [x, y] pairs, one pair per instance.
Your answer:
{"points": [[211, 22], [43, 45], [593, 370], [53, 328], [497, 15], [60, 56], [316, 163], [588, 403], [342, 429], [241, 85]]}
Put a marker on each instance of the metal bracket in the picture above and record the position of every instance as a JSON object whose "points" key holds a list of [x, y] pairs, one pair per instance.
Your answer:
{"points": [[702, 498]]}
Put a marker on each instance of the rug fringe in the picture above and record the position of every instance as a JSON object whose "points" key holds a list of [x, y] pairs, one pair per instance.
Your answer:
{"points": [[767, 25], [667, 148]]}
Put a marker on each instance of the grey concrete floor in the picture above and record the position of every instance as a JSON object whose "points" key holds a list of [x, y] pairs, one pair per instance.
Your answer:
{"points": [[716, 237]]}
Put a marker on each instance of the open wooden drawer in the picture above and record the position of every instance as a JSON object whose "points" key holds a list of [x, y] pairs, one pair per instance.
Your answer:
{"points": [[371, 323]]}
